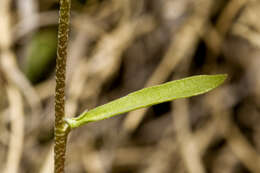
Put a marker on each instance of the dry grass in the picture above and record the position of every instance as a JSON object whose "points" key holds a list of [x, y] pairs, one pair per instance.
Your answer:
{"points": [[118, 46]]}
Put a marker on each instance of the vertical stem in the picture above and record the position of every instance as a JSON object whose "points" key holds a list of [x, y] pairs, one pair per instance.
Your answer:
{"points": [[61, 128]]}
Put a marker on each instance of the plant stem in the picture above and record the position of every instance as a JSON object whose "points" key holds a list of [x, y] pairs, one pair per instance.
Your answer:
{"points": [[61, 127]]}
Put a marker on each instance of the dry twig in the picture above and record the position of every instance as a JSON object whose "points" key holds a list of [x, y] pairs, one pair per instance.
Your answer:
{"points": [[17, 130]]}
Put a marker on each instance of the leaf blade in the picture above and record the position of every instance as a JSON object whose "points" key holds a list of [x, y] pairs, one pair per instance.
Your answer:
{"points": [[172, 90]]}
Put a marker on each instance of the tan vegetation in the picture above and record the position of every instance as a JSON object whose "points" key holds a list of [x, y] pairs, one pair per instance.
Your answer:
{"points": [[119, 46]]}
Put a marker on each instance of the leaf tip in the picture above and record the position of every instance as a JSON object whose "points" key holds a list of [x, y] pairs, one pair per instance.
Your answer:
{"points": [[221, 78]]}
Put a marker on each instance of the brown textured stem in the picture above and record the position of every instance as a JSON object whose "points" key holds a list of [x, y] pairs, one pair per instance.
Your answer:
{"points": [[61, 135], [61, 128]]}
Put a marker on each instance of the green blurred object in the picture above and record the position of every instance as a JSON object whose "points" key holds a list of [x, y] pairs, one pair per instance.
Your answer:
{"points": [[41, 53]]}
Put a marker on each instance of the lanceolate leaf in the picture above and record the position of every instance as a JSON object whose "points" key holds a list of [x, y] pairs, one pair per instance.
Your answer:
{"points": [[182, 88]]}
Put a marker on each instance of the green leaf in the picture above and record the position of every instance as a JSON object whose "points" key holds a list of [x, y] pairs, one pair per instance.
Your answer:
{"points": [[41, 53], [182, 88]]}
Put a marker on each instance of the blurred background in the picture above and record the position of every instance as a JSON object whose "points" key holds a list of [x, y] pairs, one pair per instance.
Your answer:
{"points": [[117, 47]]}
